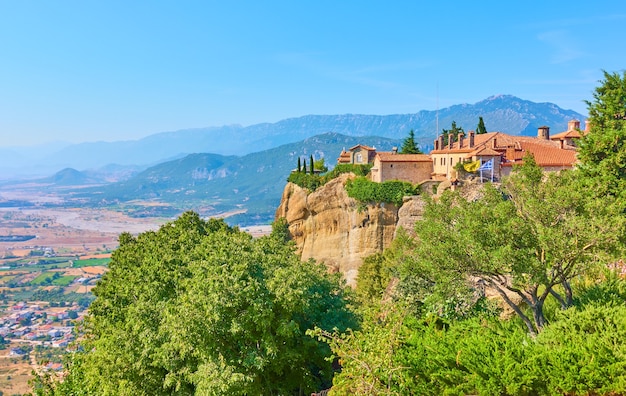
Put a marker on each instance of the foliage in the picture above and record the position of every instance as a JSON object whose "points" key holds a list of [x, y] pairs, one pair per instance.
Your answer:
{"points": [[409, 145], [373, 278], [392, 191], [584, 352], [394, 353], [602, 152], [199, 307], [306, 180], [313, 182], [320, 165], [453, 131], [481, 129], [530, 240], [368, 355]]}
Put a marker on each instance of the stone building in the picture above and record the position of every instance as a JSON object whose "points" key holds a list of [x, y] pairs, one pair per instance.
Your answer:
{"points": [[413, 168]]}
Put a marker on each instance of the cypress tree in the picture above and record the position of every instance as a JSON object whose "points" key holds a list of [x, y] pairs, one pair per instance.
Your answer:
{"points": [[299, 166], [304, 167], [480, 129], [312, 165]]}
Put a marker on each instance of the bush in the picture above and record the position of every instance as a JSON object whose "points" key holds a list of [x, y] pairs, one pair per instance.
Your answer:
{"points": [[392, 191], [313, 182]]}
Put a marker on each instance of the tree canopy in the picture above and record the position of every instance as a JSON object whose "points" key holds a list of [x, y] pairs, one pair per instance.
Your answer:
{"points": [[198, 307], [409, 145], [481, 129], [602, 152], [453, 131], [526, 241]]}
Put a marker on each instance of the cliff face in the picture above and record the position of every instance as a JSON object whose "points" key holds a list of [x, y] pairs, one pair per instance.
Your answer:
{"points": [[328, 226]]}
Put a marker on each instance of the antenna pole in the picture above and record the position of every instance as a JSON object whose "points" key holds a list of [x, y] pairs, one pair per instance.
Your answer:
{"points": [[437, 113]]}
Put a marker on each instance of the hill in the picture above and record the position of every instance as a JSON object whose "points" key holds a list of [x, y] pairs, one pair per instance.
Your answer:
{"points": [[247, 187]]}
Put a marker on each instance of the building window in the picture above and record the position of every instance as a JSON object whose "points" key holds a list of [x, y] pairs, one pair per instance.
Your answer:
{"points": [[359, 158]]}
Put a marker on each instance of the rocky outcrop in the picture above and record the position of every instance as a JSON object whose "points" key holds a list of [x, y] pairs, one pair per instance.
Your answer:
{"points": [[335, 229]]}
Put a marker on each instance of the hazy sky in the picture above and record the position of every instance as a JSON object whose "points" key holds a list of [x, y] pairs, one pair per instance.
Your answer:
{"points": [[90, 70]]}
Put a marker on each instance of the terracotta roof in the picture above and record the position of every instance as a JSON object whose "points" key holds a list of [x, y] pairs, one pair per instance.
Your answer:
{"points": [[545, 155], [484, 151], [363, 147], [546, 152], [387, 156], [344, 157], [567, 134]]}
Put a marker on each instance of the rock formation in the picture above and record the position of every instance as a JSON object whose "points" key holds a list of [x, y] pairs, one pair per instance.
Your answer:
{"points": [[335, 229]]}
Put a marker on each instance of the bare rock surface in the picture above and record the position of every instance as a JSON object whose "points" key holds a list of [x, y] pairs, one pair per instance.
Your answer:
{"points": [[335, 229]]}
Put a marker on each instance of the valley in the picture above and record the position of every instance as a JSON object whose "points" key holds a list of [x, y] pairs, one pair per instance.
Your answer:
{"points": [[51, 256]]}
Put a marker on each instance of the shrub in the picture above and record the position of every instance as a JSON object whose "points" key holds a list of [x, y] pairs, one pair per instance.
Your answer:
{"points": [[392, 191], [313, 182]]}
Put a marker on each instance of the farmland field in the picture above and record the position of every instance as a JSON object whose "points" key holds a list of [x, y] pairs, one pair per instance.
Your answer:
{"points": [[51, 275]]}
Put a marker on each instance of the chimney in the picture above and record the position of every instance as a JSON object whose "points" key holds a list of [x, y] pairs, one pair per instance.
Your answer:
{"points": [[572, 125], [440, 140], [394, 150], [460, 140], [494, 143], [436, 144], [587, 126], [450, 140], [543, 132], [471, 139]]}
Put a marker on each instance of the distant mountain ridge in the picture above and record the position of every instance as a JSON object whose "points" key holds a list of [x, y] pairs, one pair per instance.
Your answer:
{"points": [[213, 184], [504, 113]]}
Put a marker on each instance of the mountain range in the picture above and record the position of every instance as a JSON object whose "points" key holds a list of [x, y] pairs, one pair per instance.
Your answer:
{"points": [[502, 113], [240, 172]]}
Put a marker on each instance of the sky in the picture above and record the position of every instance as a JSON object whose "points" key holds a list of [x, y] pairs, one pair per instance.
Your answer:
{"points": [[86, 70]]}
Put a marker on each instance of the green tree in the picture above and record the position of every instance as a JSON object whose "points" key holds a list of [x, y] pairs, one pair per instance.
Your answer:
{"points": [[480, 129], [602, 152], [527, 240], [299, 165], [454, 131], [312, 164], [320, 165], [198, 307], [410, 146]]}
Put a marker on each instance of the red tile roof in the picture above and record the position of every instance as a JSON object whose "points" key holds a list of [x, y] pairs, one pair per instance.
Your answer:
{"points": [[567, 134], [363, 147], [546, 152]]}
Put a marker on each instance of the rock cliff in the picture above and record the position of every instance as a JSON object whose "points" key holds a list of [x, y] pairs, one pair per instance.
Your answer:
{"points": [[333, 228]]}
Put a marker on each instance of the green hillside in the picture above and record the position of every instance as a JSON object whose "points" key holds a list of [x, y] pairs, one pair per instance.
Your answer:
{"points": [[213, 184]]}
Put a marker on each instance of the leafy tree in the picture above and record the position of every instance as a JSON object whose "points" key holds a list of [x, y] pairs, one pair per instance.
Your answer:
{"points": [[320, 165], [602, 152], [410, 146], [198, 307], [454, 131], [480, 129], [528, 241]]}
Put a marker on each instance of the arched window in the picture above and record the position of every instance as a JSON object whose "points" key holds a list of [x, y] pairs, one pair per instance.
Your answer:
{"points": [[359, 158]]}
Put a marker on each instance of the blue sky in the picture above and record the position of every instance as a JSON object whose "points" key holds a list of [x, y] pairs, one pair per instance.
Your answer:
{"points": [[117, 70]]}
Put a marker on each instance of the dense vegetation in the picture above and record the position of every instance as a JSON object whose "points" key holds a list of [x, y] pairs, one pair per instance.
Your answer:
{"points": [[201, 308], [312, 181], [366, 191]]}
